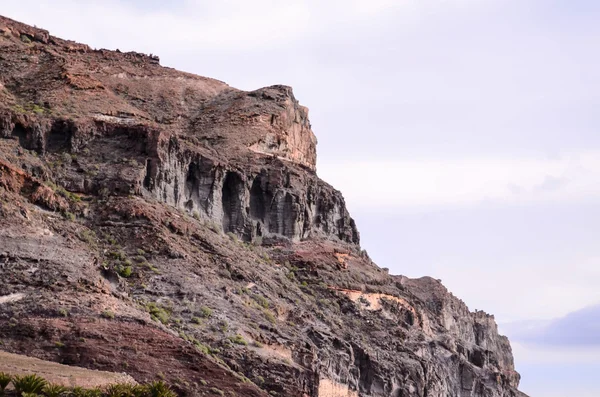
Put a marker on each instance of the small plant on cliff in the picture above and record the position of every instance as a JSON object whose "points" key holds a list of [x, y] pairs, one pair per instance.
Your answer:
{"points": [[205, 312], [157, 313], [4, 381], [269, 316], [69, 216], [261, 300], [238, 340], [117, 255], [125, 271], [232, 236], [119, 390], [216, 391], [28, 384]]}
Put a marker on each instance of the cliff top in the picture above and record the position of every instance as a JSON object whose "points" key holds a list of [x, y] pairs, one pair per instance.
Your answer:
{"points": [[44, 77]]}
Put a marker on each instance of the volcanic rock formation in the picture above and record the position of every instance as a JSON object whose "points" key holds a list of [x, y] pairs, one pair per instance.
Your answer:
{"points": [[166, 225]]}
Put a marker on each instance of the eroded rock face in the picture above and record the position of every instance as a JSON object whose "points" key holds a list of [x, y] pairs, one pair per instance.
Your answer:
{"points": [[123, 186], [292, 137]]}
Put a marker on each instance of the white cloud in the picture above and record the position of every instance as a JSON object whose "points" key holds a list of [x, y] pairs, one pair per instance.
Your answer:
{"points": [[456, 182]]}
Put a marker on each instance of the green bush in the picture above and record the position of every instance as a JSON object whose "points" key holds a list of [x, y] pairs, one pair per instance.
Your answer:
{"points": [[119, 390], [81, 392], [216, 391], [269, 316], [205, 312], [118, 255], [125, 271], [69, 216], [238, 340], [157, 313], [4, 381], [159, 389], [52, 390], [28, 384], [261, 300]]}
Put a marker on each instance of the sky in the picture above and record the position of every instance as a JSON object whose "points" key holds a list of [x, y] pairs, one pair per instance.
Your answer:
{"points": [[462, 133]]}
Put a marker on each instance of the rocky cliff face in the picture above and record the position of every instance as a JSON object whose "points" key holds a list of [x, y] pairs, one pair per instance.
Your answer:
{"points": [[167, 225]]}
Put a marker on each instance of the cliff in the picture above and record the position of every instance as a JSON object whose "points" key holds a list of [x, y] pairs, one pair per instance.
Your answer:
{"points": [[164, 224]]}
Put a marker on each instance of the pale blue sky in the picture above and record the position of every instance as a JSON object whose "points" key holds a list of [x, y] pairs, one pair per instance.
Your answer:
{"points": [[463, 134]]}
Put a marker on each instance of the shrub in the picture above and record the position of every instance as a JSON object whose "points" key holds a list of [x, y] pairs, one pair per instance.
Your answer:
{"points": [[157, 313], [270, 316], [205, 312], [216, 391], [261, 300], [87, 236], [119, 390], [125, 271], [52, 390], [28, 384], [69, 216], [159, 389], [117, 255], [203, 348], [4, 381], [81, 392], [96, 392], [108, 314], [238, 340]]}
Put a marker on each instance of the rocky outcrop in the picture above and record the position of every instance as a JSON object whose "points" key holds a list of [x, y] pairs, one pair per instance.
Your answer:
{"points": [[153, 221], [272, 202]]}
